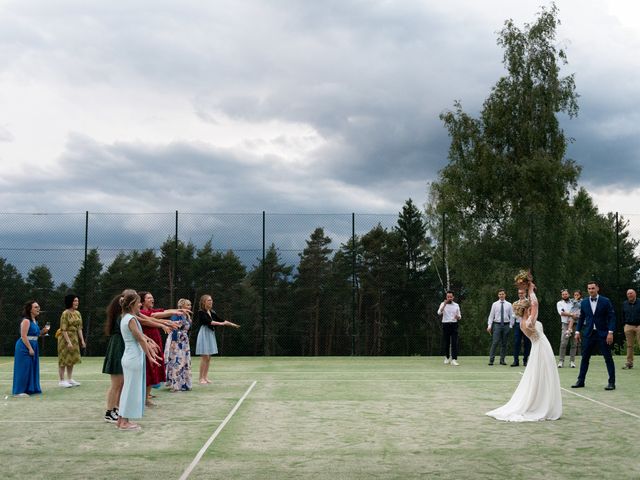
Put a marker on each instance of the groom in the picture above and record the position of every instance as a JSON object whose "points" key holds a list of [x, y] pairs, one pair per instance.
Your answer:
{"points": [[596, 325]]}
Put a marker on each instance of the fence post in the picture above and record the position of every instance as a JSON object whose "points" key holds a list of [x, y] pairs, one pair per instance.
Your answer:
{"points": [[353, 283], [84, 276], [175, 265], [445, 276], [531, 243], [617, 252], [264, 283]]}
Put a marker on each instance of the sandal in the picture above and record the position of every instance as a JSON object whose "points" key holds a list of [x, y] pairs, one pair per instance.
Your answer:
{"points": [[130, 426]]}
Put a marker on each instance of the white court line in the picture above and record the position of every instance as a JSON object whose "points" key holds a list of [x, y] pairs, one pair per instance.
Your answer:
{"points": [[598, 402], [213, 436], [347, 372], [601, 403], [382, 380], [144, 422]]}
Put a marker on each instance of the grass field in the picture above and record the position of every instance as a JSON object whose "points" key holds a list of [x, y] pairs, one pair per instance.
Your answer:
{"points": [[324, 418]]}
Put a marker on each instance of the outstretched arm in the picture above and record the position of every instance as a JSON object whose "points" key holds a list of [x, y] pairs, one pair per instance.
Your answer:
{"points": [[140, 338]]}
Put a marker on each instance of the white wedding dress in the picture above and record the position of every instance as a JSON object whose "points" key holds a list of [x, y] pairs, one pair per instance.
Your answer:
{"points": [[538, 395]]}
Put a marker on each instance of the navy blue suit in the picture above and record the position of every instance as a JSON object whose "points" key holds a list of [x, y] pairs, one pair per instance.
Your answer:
{"points": [[604, 321]]}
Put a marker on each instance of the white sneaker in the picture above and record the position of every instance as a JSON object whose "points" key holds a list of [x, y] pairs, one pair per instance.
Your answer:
{"points": [[560, 364], [446, 360], [573, 364], [454, 363], [64, 384], [74, 383]]}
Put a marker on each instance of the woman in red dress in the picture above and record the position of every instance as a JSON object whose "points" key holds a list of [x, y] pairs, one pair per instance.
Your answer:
{"points": [[152, 319]]}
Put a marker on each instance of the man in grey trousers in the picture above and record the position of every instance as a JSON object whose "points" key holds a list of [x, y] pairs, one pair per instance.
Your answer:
{"points": [[498, 326]]}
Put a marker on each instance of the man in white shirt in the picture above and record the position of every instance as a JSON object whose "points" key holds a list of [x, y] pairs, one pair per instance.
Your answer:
{"points": [[450, 313], [498, 325], [565, 309]]}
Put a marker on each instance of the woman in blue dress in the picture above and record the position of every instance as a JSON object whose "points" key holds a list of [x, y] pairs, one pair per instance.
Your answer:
{"points": [[26, 365], [136, 346]]}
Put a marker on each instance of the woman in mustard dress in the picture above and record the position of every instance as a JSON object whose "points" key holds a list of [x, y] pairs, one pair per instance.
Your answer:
{"points": [[70, 339]]}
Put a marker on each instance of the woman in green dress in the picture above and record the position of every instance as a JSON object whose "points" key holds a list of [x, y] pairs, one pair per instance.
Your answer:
{"points": [[70, 339]]}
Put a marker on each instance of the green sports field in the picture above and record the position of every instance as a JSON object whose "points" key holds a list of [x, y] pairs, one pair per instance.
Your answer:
{"points": [[324, 418]]}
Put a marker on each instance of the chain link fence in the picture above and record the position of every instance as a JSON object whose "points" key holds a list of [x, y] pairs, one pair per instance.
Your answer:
{"points": [[355, 293]]}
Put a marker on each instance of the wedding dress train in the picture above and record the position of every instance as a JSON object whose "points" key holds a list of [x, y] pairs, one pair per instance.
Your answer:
{"points": [[538, 395]]}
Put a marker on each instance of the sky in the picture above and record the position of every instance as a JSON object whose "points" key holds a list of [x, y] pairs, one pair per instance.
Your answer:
{"points": [[283, 106]]}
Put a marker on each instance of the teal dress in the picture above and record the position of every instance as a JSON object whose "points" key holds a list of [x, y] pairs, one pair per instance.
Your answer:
{"points": [[134, 390]]}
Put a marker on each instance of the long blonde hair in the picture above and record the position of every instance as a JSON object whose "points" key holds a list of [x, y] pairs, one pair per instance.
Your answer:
{"points": [[203, 301]]}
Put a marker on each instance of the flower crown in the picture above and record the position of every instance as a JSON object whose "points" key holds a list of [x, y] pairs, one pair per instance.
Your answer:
{"points": [[523, 276]]}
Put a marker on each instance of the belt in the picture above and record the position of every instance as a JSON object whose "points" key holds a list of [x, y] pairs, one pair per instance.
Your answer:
{"points": [[32, 337]]}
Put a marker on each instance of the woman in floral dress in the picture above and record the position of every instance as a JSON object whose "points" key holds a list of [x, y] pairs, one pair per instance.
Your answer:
{"points": [[70, 339], [177, 353]]}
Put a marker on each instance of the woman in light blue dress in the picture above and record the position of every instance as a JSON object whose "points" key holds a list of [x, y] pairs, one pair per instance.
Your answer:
{"points": [[136, 346], [26, 365]]}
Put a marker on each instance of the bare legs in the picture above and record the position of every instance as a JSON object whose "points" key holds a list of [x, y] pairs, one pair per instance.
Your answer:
{"points": [[148, 401], [113, 394], [205, 360], [69, 372]]}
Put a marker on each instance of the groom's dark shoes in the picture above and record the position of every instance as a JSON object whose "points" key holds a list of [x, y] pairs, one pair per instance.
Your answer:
{"points": [[610, 386], [578, 385]]}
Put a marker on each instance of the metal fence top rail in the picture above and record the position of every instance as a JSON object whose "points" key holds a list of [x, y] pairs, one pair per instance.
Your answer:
{"points": [[197, 213]]}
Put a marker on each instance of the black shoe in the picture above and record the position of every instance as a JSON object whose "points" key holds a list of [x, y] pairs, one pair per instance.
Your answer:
{"points": [[515, 364], [110, 416], [578, 385], [610, 386], [491, 364], [502, 363], [627, 367]]}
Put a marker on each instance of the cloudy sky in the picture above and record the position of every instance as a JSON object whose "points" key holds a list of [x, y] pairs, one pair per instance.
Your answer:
{"points": [[283, 106]]}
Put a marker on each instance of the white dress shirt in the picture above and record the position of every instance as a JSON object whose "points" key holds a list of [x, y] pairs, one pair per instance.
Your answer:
{"points": [[564, 306], [496, 308], [593, 307], [450, 312]]}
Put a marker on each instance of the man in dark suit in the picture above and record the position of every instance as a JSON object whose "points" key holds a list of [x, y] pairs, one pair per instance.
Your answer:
{"points": [[596, 326]]}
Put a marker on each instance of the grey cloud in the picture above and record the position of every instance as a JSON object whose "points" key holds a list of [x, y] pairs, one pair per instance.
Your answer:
{"points": [[369, 77], [606, 144]]}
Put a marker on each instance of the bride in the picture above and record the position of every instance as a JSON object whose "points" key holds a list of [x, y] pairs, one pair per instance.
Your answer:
{"points": [[538, 394]]}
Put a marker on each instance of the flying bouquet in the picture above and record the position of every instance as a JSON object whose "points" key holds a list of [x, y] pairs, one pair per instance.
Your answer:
{"points": [[523, 276]]}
